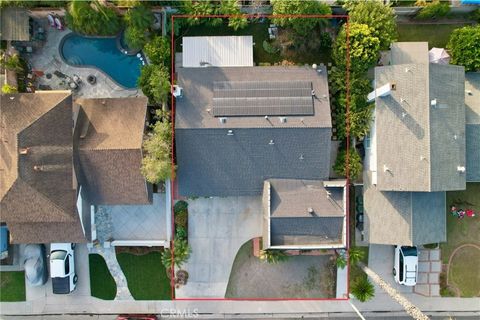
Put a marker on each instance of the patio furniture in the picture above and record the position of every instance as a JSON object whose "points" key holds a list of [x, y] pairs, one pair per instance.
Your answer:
{"points": [[77, 79], [51, 21], [72, 85], [59, 74]]}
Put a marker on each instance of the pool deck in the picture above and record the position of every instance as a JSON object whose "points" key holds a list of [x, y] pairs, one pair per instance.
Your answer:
{"points": [[47, 59]]}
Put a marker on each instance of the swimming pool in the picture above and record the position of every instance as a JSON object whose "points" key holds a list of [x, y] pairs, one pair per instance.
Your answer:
{"points": [[103, 54]]}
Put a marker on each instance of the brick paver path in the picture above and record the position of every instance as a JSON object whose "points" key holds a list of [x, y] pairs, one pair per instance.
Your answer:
{"points": [[429, 268]]}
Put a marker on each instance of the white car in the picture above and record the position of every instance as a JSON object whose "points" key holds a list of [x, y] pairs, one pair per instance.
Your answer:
{"points": [[405, 267], [62, 267]]}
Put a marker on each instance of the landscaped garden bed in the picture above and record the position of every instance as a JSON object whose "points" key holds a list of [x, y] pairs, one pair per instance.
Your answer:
{"points": [[146, 276], [461, 252], [12, 286], [102, 284]]}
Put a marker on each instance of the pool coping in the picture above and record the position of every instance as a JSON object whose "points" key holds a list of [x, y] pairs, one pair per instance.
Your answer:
{"points": [[71, 34]]}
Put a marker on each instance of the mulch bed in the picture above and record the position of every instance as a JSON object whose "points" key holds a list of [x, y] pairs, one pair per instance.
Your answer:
{"points": [[138, 251]]}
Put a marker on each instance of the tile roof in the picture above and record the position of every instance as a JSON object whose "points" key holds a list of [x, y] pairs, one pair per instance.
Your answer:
{"points": [[420, 145], [36, 166], [109, 136]]}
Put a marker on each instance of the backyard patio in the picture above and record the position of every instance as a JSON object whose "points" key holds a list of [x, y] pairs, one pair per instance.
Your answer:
{"points": [[52, 73]]}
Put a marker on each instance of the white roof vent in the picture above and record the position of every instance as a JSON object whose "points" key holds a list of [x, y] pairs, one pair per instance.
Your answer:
{"points": [[177, 91], [271, 142], [230, 133], [222, 120], [461, 169], [433, 103], [469, 92], [282, 119], [301, 157]]}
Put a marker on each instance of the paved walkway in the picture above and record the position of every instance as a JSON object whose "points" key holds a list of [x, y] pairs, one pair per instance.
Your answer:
{"points": [[429, 269], [217, 228], [111, 259]]}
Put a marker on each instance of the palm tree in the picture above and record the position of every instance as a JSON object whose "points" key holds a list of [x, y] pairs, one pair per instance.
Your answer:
{"points": [[355, 255], [363, 289]]}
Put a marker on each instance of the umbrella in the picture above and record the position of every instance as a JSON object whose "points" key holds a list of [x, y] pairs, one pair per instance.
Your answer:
{"points": [[439, 55]]}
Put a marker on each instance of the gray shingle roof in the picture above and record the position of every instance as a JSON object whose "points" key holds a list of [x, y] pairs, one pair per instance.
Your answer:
{"points": [[287, 202], [404, 218], [419, 146], [409, 52], [472, 103], [235, 157]]}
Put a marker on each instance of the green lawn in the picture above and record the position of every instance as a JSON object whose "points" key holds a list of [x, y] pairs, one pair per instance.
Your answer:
{"points": [[437, 35], [146, 276], [102, 284], [463, 231], [12, 286]]}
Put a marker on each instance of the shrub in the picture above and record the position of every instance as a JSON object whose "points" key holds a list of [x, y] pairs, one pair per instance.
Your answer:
{"points": [[273, 256], [355, 255], [475, 15], [135, 37], [464, 47], [158, 50], [181, 233], [363, 289], [434, 9], [180, 210], [156, 164], [12, 63], [340, 261], [269, 48], [154, 81], [181, 254], [325, 40], [6, 88], [355, 164]]}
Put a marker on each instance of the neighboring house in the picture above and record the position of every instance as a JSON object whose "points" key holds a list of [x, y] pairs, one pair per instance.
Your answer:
{"points": [[43, 199], [472, 103], [237, 127], [37, 185], [108, 143], [417, 147], [304, 214]]}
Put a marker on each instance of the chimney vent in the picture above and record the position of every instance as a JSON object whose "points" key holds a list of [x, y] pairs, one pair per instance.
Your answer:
{"points": [[282, 119], [271, 142], [311, 211], [433, 103], [222, 120], [38, 168], [461, 169], [24, 150], [301, 157]]}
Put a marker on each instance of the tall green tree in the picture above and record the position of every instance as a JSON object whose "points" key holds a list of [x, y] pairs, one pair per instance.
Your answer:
{"points": [[154, 81], [302, 26], [139, 16], [464, 47], [232, 7], [364, 47], [379, 17], [156, 164], [92, 18]]}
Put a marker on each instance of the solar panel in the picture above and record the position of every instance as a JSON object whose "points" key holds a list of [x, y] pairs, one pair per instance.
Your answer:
{"points": [[261, 98]]}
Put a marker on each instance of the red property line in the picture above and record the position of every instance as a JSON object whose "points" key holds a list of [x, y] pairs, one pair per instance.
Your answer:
{"points": [[174, 183]]}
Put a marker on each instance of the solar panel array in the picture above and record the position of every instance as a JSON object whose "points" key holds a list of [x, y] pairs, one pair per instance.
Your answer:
{"points": [[261, 98]]}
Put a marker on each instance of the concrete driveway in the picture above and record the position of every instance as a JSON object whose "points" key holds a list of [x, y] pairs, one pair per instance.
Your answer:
{"points": [[380, 260], [82, 290], [217, 228]]}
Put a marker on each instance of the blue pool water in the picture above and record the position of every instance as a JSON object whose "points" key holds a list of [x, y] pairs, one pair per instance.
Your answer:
{"points": [[102, 53]]}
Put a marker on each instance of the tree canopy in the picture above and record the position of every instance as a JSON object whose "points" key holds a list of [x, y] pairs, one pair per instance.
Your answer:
{"points": [[154, 81], [92, 18], [158, 50], [302, 26], [354, 163], [364, 47], [156, 164], [212, 7], [379, 17], [464, 47], [138, 19]]}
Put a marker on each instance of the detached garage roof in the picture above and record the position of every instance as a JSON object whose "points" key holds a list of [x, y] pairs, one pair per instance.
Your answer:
{"points": [[226, 51]]}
